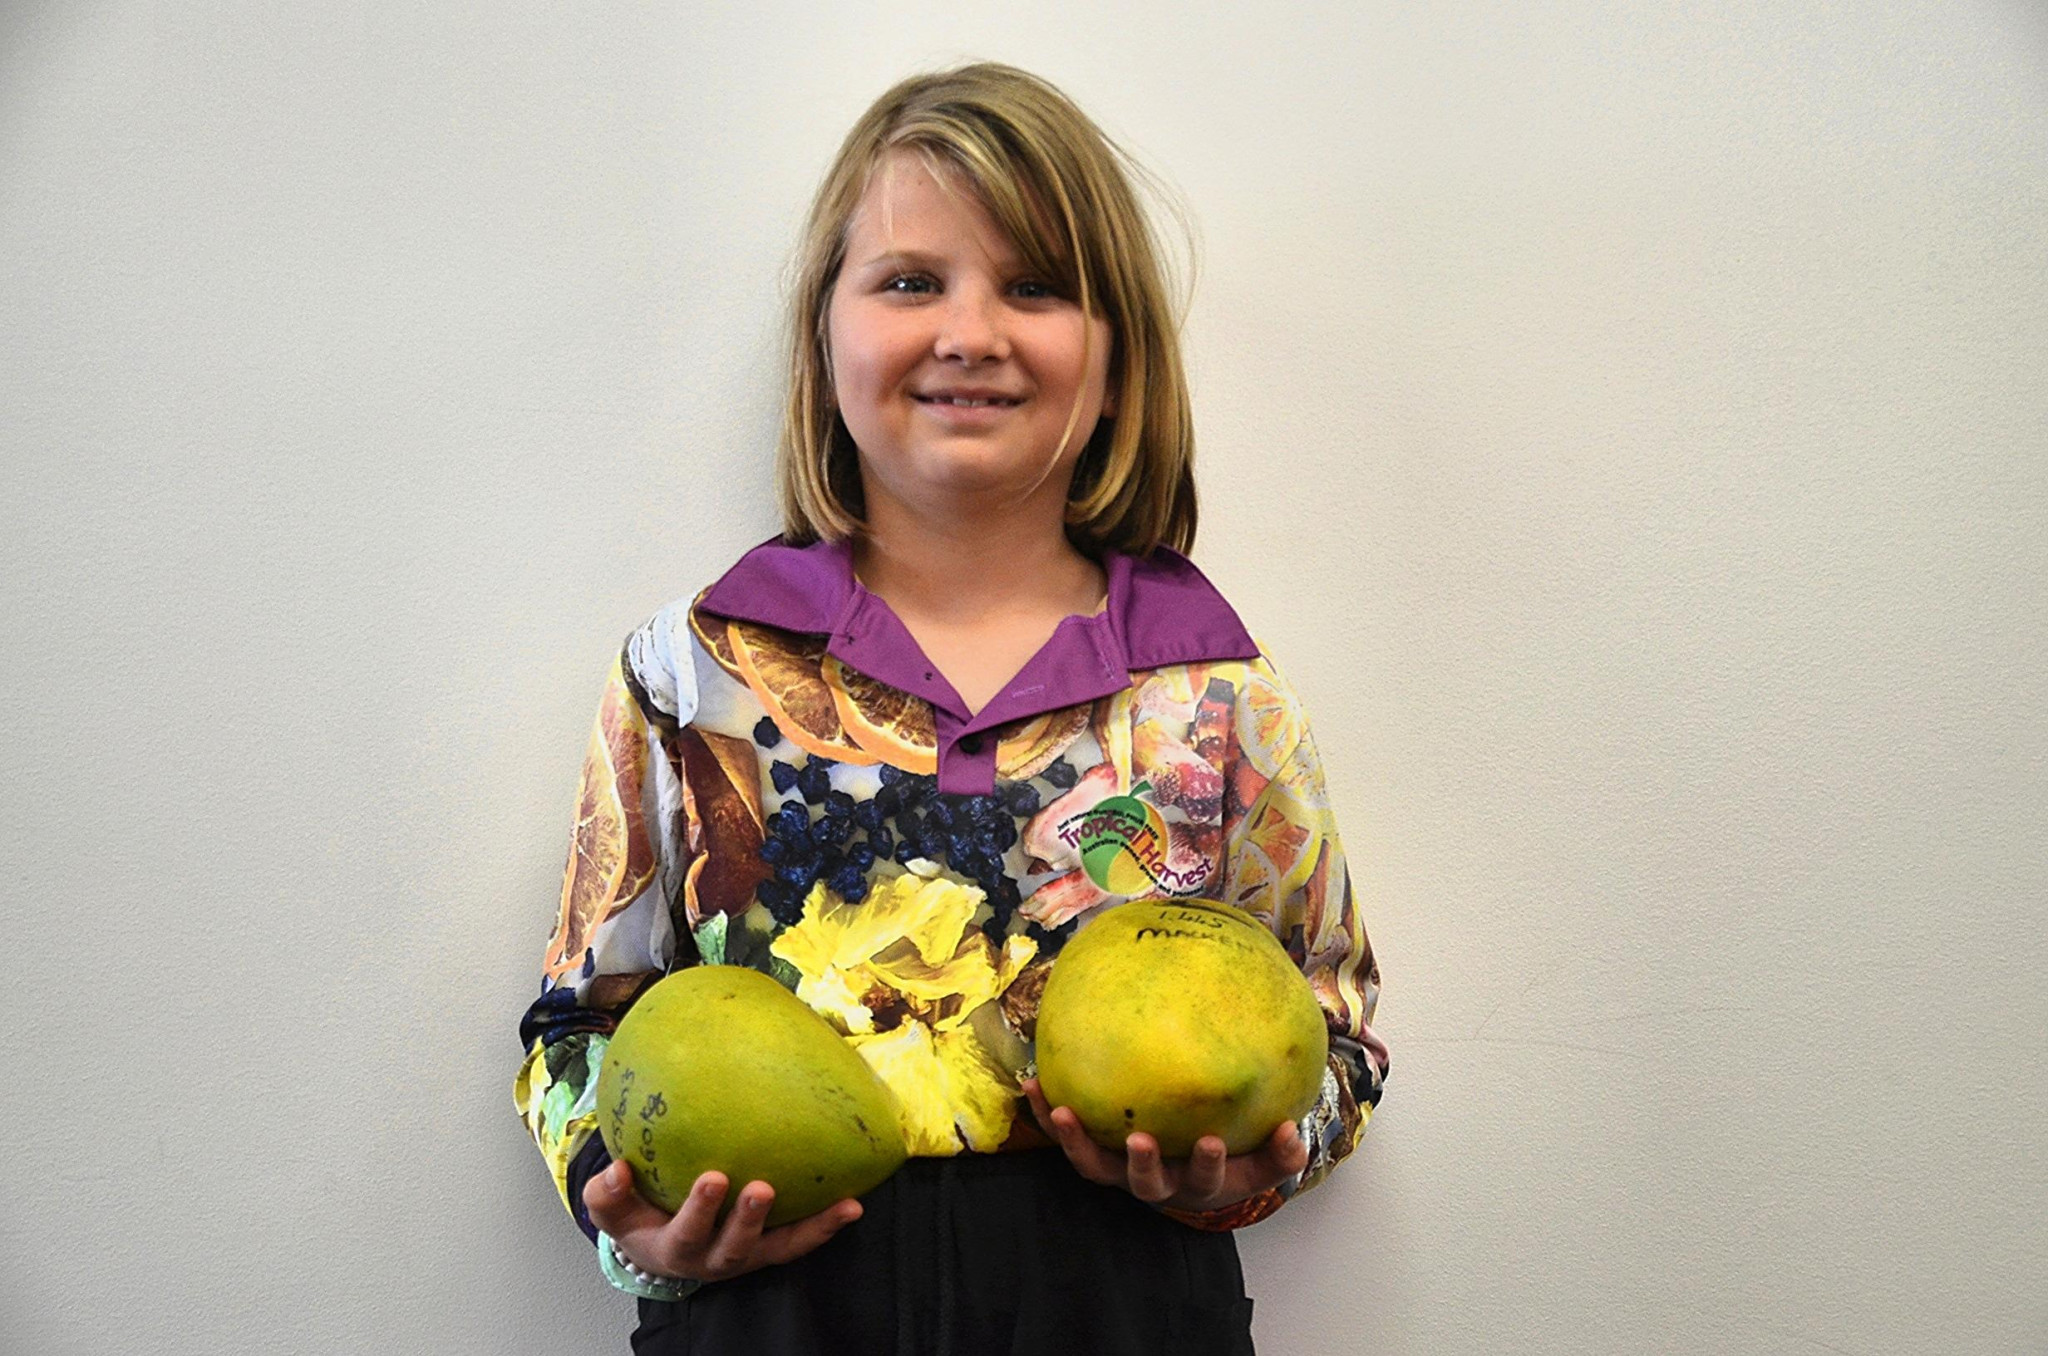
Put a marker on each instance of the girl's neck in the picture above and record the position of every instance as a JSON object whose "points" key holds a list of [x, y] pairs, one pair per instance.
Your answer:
{"points": [[960, 574]]}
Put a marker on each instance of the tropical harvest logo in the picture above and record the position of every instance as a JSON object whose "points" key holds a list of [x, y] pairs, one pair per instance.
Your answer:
{"points": [[1123, 842]]}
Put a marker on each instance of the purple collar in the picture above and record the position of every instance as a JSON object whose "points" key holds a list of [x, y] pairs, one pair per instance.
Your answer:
{"points": [[1161, 611]]}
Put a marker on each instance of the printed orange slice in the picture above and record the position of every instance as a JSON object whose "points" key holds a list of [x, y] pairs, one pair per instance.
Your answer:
{"points": [[610, 858], [1028, 747], [1268, 724], [1111, 722], [1281, 827], [711, 634], [1254, 883], [786, 673], [885, 721], [722, 797]]}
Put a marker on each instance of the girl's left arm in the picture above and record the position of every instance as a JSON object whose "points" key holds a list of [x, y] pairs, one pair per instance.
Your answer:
{"points": [[1284, 864]]}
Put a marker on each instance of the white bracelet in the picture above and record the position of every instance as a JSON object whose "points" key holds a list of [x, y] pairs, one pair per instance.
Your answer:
{"points": [[626, 1265], [635, 1280]]}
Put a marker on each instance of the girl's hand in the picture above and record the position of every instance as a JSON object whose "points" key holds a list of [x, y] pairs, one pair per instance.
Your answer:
{"points": [[690, 1243], [1206, 1181]]}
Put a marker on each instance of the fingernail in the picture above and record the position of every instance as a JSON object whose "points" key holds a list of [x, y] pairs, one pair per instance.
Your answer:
{"points": [[615, 1175]]}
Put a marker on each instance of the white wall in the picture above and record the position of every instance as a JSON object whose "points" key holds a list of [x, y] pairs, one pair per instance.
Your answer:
{"points": [[1631, 430]]}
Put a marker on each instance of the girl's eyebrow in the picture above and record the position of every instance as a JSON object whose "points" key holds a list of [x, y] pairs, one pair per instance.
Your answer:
{"points": [[902, 259]]}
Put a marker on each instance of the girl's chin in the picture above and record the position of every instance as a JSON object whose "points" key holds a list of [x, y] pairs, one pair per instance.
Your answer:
{"points": [[953, 483]]}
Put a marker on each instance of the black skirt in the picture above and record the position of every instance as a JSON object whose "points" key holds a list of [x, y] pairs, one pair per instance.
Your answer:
{"points": [[980, 1255]]}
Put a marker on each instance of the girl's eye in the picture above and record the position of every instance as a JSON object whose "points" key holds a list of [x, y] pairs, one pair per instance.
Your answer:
{"points": [[1033, 290], [909, 284]]}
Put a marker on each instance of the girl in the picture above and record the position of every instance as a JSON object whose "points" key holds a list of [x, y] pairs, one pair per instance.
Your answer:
{"points": [[849, 762]]}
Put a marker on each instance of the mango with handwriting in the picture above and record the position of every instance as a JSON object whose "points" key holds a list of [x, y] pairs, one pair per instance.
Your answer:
{"points": [[1181, 1018], [720, 1067]]}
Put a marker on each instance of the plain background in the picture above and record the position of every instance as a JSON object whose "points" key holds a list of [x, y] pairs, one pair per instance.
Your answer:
{"points": [[1628, 424]]}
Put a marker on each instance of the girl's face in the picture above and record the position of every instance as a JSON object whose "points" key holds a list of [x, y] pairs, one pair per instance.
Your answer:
{"points": [[955, 368]]}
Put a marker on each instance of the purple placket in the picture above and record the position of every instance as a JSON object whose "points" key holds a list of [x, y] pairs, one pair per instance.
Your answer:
{"points": [[1160, 611]]}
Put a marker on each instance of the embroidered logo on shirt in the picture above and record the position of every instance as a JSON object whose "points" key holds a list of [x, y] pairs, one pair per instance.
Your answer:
{"points": [[1122, 842]]}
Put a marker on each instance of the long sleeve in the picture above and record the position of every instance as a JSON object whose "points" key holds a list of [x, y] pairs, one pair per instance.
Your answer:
{"points": [[1283, 863], [614, 931]]}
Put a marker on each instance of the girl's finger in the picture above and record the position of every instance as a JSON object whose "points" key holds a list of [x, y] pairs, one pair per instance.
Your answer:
{"points": [[1145, 1174], [1204, 1175], [1090, 1159], [792, 1241], [1039, 1109], [1287, 1150], [734, 1250], [615, 1207], [690, 1232]]}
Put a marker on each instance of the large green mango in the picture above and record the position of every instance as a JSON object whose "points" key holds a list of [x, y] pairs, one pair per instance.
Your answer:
{"points": [[1181, 1018], [720, 1067]]}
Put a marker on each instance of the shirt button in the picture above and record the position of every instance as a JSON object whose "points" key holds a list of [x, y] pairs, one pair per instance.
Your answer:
{"points": [[970, 744]]}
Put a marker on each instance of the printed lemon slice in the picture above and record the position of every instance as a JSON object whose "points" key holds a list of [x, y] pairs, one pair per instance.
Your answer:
{"points": [[1253, 886], [1028, 747], [1268, 723], [711, 634], [1282, 827], [786, 673], [887, 722]]}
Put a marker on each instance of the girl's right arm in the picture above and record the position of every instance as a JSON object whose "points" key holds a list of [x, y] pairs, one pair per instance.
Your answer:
{"points": [[615, 934]]}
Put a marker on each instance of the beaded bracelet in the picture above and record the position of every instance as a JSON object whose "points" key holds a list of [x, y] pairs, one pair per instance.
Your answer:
{"points": [[635, 1281]]}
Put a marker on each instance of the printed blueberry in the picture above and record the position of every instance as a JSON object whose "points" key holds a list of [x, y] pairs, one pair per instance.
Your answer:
{"points": [[828, 866], [940, 812], [1021, 798], [846, 880], [792, 821], [831, 831], [861, 855], [1061, 774], [907, 851], [856, 890], [919, 788], [783, 775], [884, 842], [812, 783], [765, 733], [888, 800], [773, 850], [910, 824], [1006, 895], [983, 809], [797, 874], [1006, 835], [868, 815], [774, 894], [838, 804], [890, 774]]}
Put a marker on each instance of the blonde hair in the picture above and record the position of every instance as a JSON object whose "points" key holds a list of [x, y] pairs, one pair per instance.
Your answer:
{"points": [[1062, 192]]}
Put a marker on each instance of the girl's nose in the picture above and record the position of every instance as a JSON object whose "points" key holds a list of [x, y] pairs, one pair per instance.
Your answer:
{"points": [[971, 329]]}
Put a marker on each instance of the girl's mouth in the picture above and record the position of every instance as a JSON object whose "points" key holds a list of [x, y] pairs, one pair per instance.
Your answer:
{"points": [[970, 402]]}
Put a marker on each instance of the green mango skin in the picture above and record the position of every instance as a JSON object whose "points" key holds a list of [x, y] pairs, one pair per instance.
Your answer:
{"points": [[718, 1067], [1180, 1018]]}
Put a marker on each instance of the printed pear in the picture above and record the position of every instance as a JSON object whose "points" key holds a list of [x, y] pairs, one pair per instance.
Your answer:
{"points": [[1180, 1018], [720, 1067]]}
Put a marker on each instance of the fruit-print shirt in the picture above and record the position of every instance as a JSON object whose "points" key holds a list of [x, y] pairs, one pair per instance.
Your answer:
{"points": [[778, 778]]}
